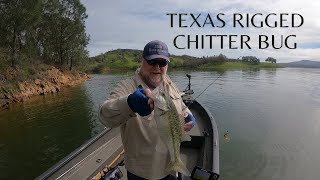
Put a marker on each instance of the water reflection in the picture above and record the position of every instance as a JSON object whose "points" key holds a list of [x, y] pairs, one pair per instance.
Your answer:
{"points": [[273, 116], [97, 90], [251, 74], [37, 133]]}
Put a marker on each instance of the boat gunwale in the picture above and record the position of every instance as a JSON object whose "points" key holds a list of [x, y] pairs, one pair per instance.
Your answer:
{"points": [[55, 168], [215, 139]]}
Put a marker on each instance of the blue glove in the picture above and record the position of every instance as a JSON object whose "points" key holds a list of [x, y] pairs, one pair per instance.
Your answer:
{"points": [[189, 118], [138, 102]]}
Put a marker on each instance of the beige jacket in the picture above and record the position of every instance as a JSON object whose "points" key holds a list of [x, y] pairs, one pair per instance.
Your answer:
{"points": [[145, 154]]}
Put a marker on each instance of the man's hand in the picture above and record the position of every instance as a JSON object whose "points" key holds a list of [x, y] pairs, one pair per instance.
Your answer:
{"points": [[190, 121], [138, 102]]}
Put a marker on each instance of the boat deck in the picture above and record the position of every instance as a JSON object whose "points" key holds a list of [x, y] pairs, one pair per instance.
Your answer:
{"points": [[101, 152]]}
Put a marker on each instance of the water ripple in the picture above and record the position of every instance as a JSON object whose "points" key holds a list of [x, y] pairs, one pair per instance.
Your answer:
{"points": [[273, 118]]}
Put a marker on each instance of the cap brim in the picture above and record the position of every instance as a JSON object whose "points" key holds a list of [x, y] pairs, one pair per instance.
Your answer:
{"points": [[157, 56]]}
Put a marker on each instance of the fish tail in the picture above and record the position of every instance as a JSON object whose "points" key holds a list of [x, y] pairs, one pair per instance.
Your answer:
{"points": [[178, 166]]}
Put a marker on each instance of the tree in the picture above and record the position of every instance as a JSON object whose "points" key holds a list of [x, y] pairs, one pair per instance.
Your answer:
{"points": [[51, 30], [271, 59], [250, 60], [221, 59], [12, 26], [64, 36], [18, 27]]}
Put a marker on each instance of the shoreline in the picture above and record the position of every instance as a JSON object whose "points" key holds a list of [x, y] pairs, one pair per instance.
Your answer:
{"points": [[53, 80], [49, 81]]}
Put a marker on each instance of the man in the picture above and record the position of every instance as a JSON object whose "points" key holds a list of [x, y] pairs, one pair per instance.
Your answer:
{"points": [[130, 107]]}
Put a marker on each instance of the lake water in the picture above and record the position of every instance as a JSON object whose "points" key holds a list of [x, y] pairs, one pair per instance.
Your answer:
{"points": [[273, 117]]}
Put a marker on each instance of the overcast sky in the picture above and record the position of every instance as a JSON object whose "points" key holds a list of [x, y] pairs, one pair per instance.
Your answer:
{"points": [[130, 24]]}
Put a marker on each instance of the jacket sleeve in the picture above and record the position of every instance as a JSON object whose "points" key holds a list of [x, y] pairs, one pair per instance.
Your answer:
{"points": [[115, 110], [185, 108]]}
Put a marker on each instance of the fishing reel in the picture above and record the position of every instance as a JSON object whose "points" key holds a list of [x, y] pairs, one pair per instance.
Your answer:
{"points": [[199, 173], [187, 98], [188, 90], [113, 174]]}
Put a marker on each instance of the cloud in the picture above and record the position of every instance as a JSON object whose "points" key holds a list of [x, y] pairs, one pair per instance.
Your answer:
{"points": [[131, 24]]}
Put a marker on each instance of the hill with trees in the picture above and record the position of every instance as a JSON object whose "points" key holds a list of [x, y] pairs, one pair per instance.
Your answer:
{"points": [[43, 47], [52, 32], [129, 59], [42, 44]]}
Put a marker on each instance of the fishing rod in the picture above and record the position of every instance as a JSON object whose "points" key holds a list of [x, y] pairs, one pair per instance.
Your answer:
{"points": [[209, 85], [189, 99], [189, 91]]}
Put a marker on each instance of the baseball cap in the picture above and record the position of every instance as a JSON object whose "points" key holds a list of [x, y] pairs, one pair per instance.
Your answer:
{"points": [[156, 49]]}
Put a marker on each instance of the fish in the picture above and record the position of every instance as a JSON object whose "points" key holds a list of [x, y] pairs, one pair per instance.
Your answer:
{"points": [[170, 127]]}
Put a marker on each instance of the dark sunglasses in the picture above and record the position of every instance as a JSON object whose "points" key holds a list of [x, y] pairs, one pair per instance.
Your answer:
{"points": [[161, 63]]}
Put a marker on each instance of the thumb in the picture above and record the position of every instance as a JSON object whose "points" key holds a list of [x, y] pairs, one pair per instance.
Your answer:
{"points": [[151, 97], [151, 103], [149, 94]]}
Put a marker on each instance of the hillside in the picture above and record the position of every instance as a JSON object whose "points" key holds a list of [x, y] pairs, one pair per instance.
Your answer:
{"points": [[128, 59], [302, 64], [17, 85]]}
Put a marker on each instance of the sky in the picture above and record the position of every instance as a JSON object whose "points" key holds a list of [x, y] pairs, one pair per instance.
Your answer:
{"points": [[130, 24]]}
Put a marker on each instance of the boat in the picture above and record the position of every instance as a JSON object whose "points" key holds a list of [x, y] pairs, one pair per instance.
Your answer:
{"points": [[102, 156]]}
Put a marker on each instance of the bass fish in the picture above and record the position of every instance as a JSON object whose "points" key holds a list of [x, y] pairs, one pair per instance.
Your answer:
{"points": [[170, 127]]}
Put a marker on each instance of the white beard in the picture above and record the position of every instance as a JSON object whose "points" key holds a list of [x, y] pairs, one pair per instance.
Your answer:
{"points": [[155, 79], [150, 81]]}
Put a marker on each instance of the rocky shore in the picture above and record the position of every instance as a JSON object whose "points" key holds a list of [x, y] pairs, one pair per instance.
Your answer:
{"points": [[45, 82]]}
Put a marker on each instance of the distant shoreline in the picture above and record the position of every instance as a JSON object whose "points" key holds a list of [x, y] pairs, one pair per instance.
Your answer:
{"points": [[214, 67], [51, 79], [239, 65], [302, 64]]}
